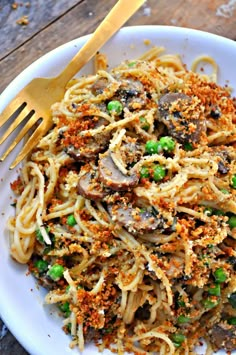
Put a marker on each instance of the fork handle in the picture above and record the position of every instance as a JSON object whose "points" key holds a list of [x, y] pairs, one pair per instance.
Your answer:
{"points": [[118, 15]]}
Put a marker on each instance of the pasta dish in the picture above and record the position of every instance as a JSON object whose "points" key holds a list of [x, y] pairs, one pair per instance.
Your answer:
{"points": [[126, 210]]}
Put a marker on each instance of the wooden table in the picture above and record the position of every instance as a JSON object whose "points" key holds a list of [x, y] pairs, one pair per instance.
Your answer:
{"points": [[31, 28]]}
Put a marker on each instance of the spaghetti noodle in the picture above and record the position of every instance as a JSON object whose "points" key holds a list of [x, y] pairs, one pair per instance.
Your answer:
{"points": [[126, 209]]}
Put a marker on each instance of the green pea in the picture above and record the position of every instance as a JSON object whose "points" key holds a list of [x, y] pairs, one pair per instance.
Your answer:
{"points": [[232, 222], [219, 275], [181, 303], [68, 289], [65, 308], [71, 221], [218, 213], [224, 191], [158, 173], [188, 146], [231, 321], [167, 143], [233, 181], [108, 330], [232, 299], [132, 64], [151, 147], [208, 211], [78, 287], [208, 303], [41, 265], [144, 173], [115, 107], [215, 290], [39, 235], [178, 339], [183, 319], [144, 123], [56, 272]]}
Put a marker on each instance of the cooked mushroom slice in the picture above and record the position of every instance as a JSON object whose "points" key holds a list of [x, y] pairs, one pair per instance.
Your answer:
{"points": [[112, 177], [222, 168], [223, 336], [99, 86], [131, 151], [43, 279], [215, 112], [46, 282], [90, 147], [90, 188], [131, 94], [225, 159], [134, 219], [183, 129], [85, 153]]}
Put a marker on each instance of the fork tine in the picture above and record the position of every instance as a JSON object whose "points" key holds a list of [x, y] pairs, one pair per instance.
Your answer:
{"points": [[32, 141], [21, 134], [15, 105], [25, 114]]}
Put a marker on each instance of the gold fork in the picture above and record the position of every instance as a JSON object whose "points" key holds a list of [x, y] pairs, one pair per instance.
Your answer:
{"points": [[34, 101]]}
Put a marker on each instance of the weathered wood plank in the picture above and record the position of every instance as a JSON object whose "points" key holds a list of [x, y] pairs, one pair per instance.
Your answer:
{"points": [[84, 18], [20, 20], [8, 344], [215, 16]]}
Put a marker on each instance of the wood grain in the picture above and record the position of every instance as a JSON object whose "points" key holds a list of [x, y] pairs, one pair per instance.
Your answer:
{"points": [[9, 345], [38, 13], [86, 15]]}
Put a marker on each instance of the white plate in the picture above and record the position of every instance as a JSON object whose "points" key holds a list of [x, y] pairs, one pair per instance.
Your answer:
{"points": [[21, 302]]}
